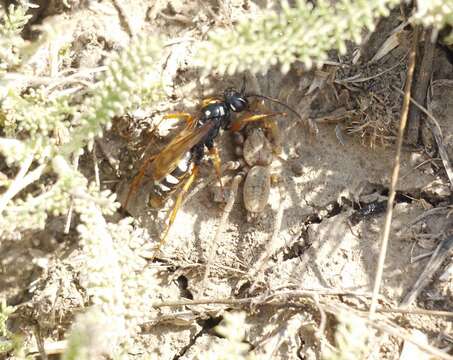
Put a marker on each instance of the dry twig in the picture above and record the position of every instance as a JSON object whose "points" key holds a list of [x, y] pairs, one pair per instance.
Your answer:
{"points": [[396, 169], [289, 298], [421, 86], [440, 254], [67, 226], [264, 299], [271, 246], [49, 348], [437, 133], [226, 212], [22, 180], [123, 17], [40, 343]]}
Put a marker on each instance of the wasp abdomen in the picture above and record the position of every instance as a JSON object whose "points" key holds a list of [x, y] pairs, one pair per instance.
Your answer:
{"points": [[164, 187]]}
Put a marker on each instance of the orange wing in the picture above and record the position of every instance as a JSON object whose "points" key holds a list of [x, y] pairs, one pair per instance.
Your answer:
{"points": [[167, 159]]}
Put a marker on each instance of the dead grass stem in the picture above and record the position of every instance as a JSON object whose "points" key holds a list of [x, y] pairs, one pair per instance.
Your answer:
{"points": [[395, 174]]}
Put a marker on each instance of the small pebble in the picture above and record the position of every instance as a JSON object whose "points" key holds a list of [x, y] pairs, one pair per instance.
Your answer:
{"points": [[238, 138], [297, 168], [416, 159]]}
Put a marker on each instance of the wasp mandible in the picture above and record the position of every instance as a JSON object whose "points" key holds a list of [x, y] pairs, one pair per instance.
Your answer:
{"points": [[175, 167]]}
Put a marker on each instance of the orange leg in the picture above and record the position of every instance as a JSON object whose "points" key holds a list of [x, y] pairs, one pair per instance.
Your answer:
{"points": [[214, 152], [268, 123], [187, 184], [238, 123], [273, 132]]}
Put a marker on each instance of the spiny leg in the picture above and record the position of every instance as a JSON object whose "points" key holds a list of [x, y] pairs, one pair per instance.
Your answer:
{"points": [[187, 184], [273, 132], [238, 123], [263, 114], [214, 153], [271, 126]]}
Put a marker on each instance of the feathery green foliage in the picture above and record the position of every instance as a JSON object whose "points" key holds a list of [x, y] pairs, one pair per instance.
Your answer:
{"points": [[303, 32], [39, 121], [40, 128], [437, 13], [6, 341], [233, 328], [11, 26], [352, 340], [120, 284], [130, 74]]}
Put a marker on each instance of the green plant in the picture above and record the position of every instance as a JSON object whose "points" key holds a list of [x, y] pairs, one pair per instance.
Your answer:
{"points": [[233, 328], [6, 337], [438, 13], [352, 340], [294, 33], [43, 133], [11, 26]]}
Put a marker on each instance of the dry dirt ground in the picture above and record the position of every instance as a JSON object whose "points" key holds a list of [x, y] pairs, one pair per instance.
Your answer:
{"points": [[331, 191]]}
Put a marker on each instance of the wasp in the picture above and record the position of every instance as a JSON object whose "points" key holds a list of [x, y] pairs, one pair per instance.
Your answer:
{"points": [[176, 166]]}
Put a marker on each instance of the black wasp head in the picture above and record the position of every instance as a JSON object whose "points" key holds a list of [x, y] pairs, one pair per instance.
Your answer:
{"points": [[235, 100]]}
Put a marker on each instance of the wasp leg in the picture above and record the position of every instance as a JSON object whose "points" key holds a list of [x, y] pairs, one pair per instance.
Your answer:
{"points": [[214, 152], [238, 123], [269, 125], [188, 183], [273, 132]]}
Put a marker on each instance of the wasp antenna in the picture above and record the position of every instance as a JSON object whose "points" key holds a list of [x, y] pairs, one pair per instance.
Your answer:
{"points": [[244, 81], [278, 102]]}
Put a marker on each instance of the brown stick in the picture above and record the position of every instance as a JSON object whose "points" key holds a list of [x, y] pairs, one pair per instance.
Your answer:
{"points": [[289, 300], [440, 254], [437, 133], [261, 299], [421, 86], [396, 170], [40, 343], [271, 245], [226, 212]]}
